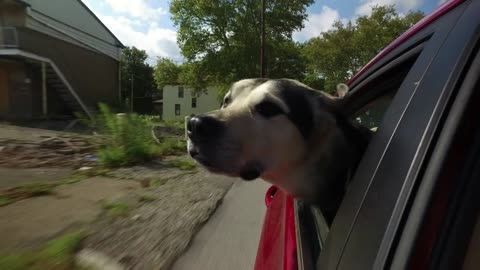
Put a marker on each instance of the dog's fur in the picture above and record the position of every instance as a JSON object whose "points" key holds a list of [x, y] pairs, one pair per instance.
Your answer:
{"points": [[284, 132]]}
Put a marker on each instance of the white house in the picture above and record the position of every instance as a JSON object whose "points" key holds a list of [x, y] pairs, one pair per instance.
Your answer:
{"points": [[179, 102]]}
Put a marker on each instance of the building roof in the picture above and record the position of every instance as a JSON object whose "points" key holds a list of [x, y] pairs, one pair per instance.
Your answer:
{"points": [[106, 28]]}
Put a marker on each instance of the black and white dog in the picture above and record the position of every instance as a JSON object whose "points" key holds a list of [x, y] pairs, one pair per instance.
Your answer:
{"points": [[285, 133]]}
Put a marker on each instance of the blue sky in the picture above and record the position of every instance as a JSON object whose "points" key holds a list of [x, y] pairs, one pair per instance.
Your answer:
{"points": [[146, 24]]}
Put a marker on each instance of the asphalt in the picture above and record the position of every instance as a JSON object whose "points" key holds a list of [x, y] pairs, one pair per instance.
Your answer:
{"points": [[229, 240]]}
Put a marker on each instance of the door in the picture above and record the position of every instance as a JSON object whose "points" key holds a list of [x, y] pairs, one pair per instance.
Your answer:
{"points": [[3, 91]]}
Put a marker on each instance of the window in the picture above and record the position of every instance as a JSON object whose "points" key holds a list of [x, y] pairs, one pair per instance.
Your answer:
{"points": [[366, 105], [177, 109], [180, 92], [194, 102]]}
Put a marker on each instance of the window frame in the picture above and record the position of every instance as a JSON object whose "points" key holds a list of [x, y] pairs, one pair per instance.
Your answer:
{"points": [[194, 102], [353, 105], [343, 248], [181, 92], [178, 108]]}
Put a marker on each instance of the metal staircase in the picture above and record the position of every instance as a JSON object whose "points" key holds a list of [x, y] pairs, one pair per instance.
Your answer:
{"points": [[55, 83]]}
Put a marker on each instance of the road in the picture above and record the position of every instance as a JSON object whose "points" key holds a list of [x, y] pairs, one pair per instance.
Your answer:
{"points": [[230, 238]]}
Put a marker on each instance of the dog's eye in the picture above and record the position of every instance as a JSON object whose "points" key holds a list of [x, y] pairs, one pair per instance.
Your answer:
{"points": [[268, 109], [226, 100]]}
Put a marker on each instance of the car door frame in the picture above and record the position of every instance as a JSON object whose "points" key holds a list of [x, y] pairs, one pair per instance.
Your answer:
{"points": [[364, 230]]}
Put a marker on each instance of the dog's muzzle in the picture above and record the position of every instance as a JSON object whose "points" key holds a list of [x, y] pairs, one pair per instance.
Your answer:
{"points": [[204, 129], [204, 132]]}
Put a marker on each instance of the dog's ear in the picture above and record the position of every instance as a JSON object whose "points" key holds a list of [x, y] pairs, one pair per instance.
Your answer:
{"points": [[342, 90]]}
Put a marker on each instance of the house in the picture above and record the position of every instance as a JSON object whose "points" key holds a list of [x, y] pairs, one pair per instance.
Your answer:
{"points": [[56, 58], [178, 101]]}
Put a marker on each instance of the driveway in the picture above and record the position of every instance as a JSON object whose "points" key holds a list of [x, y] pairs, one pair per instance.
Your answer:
{"points": [[230, 238]]}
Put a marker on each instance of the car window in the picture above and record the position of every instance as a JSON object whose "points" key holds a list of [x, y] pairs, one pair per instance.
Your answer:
{"points": [[381, 92], [372, 114]]}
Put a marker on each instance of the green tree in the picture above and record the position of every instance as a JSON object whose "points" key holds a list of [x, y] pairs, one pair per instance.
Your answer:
{"points": [[222, 37], [339, 53], [136, 74], [166, 72]]}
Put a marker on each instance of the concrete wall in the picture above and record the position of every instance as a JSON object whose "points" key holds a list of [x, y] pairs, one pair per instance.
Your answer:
{"points": [[205, 102], [71, 20]]}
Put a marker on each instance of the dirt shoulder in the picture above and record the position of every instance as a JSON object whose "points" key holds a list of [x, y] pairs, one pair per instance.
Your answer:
{"points": [[159, 229], [139, 217]]}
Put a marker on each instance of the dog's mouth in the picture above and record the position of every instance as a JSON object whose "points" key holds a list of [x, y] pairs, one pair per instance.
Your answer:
{"points": [[249, 171]]}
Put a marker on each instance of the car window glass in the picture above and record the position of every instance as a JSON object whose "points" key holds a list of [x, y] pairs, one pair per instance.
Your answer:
{"points": [[372, 114]]}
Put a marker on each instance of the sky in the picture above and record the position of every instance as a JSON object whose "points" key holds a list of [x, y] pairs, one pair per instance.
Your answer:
{"points": [[146, 24]]}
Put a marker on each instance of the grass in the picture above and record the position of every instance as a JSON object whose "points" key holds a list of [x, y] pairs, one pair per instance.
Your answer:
{"points": [[21, 192], [129, 138], [183, 164], [55, 255], [10, 195], [4, 200], [116, 209], [172, 147], [160, 181], [145, 198], [174, 124], [36, 189]]}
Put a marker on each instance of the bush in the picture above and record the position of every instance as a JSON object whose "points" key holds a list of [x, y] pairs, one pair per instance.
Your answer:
{"points": [[172, 147], [130, 138]]}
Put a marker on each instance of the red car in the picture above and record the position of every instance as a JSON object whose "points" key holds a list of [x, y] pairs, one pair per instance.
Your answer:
{"points": [[414, 199]]}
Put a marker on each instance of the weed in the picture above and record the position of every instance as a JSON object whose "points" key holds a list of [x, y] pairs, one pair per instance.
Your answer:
{"points": [[170, 146], [160, 181], [36, 189], [116, 209], [183, 164], [4, 200], [146, 198], [175, 124], [129, 138], [56, 254]]}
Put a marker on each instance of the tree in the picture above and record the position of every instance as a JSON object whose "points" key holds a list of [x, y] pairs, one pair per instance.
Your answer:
{"points": [[222, 37], [166, 72], [339, 53], [136, 74]]}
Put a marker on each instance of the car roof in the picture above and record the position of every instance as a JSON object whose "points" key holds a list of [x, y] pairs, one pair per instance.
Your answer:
{"points": [[427, 20]]}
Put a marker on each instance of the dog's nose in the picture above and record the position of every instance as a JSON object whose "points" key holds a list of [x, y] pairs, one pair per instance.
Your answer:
{"points": [[203, 127]]}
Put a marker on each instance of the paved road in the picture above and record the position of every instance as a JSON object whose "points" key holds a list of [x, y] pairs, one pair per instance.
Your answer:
{"points": [[230, 238]]}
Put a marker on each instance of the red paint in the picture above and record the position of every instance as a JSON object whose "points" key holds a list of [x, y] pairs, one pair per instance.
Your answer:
{"points": [[277, 249], [444, 8], [269, 195]]}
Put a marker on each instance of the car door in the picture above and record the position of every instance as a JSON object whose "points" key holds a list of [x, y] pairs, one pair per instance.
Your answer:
{"points": [[372, 218], [403, 97]]}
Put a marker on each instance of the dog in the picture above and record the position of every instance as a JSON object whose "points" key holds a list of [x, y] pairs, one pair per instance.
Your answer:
{"points": [[284, 132]]}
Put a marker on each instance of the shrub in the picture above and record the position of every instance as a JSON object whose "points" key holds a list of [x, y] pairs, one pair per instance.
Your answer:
{"points": [[172, 147], [130, 139]]}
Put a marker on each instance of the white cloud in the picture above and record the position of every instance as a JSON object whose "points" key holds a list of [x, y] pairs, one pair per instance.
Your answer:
{"points": [[141, 9], [132, 28], [365, 7], [317, 23], [156, 41]]}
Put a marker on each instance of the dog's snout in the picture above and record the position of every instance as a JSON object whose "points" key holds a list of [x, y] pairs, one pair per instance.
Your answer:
{"points": [[203, 127]]}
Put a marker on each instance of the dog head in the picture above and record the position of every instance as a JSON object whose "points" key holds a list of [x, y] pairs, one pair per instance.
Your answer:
{"points": [[264, 128]]}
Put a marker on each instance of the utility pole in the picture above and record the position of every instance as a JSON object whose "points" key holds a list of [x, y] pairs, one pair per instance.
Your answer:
{"points": [[262, 42], [131, 94]]}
